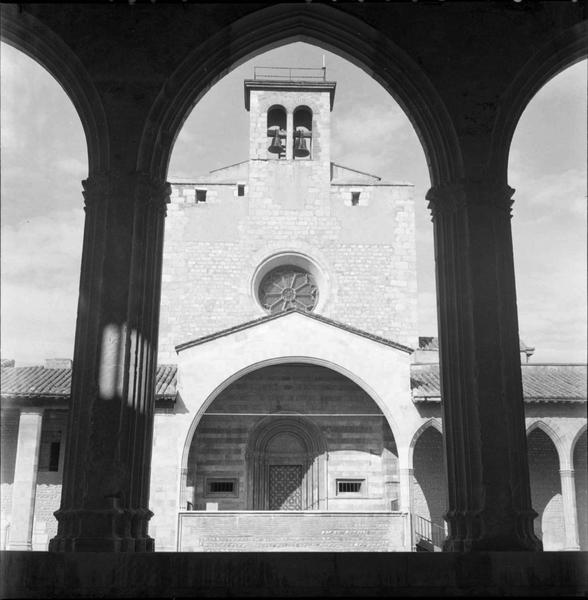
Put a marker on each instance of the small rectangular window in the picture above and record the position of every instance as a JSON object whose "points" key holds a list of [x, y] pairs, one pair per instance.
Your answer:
{"points": [[200, 196], [221, 487], [218, 487], [349, 486], [354, 198], [240, 190]]}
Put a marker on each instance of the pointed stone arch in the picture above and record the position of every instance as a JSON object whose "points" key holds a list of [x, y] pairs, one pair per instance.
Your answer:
{"points": [[577, 436], [27, 34], [545, 463], [556, 55], [555, 438], [328, 27], [428, 492], [433, 422]]}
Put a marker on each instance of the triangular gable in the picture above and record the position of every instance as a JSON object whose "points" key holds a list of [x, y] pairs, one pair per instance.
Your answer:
{"points": [[281, 315]]}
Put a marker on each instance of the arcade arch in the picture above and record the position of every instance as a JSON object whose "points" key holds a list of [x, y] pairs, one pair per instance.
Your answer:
{"points": [[429, 485], [158, 162], [546, 490]]}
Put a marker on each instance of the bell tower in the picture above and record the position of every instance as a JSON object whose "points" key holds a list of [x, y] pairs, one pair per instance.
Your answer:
{"points": [[290, 114]]}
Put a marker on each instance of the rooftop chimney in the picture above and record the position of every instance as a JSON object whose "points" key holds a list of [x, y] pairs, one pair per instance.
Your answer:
{"points": [[7, 362]]}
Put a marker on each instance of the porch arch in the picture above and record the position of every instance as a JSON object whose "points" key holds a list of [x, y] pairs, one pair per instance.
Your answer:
{"points": [[276, 361], [328, 27], [314, 439]]}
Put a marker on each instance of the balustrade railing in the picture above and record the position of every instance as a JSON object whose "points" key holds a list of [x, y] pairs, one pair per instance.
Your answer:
{"points": [[290, 73], [427, 535]]}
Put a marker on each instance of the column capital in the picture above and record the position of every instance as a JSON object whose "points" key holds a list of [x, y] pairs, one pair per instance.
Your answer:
{"points": [[456, 196], [138, 186]]}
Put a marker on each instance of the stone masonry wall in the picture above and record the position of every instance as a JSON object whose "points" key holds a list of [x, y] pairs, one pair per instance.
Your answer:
{"points": [[8, 439], [48, 494], [365, 253], [212, 251]]}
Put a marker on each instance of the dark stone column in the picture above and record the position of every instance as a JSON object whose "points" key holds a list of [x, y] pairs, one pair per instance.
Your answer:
{"points": [[489, 503], [104, 504]]}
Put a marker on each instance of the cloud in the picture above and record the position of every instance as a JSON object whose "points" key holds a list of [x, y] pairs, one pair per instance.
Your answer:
{"points": [[72, 166], [45, 250], [563, 193], [37, 322]]}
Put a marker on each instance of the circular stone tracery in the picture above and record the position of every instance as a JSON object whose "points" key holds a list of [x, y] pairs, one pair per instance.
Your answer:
{"points": [[287, 287]]}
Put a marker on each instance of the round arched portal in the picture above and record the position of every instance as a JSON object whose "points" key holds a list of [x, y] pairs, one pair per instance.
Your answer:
{"points": [[285, 462], [292, 436]]}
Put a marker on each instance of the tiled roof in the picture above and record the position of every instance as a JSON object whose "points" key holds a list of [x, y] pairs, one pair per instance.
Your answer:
{"points": [[39, 381], [541, 383], [432, 343]]}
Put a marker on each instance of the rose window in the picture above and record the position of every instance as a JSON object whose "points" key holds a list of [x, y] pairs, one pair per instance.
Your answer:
{"points": [[288, 287]]}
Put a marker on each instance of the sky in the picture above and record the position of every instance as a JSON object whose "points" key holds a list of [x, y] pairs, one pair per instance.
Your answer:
{"points": [[44, 159]]}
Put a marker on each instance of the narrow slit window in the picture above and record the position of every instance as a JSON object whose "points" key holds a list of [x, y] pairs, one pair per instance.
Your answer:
{"points": [[240, 190], [221, 487], [354, 198], [54, 456], [349, 486], [200, 196], [49, 451]]}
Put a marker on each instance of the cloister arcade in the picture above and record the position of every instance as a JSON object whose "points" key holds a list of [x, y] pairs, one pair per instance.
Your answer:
{"points": [[463, 77]]}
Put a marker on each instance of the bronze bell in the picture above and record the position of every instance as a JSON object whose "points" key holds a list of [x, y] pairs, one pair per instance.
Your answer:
{"points": [[300, 147], [276, 146]]}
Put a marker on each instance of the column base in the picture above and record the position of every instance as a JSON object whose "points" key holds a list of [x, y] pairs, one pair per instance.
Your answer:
{"points": [[481, 531], [19, 546], [89, 544], [103, 530], [493, 544]]}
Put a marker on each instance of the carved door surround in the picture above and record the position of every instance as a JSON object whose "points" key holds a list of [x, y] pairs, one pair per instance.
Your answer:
{"points": [[282, 448]]}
